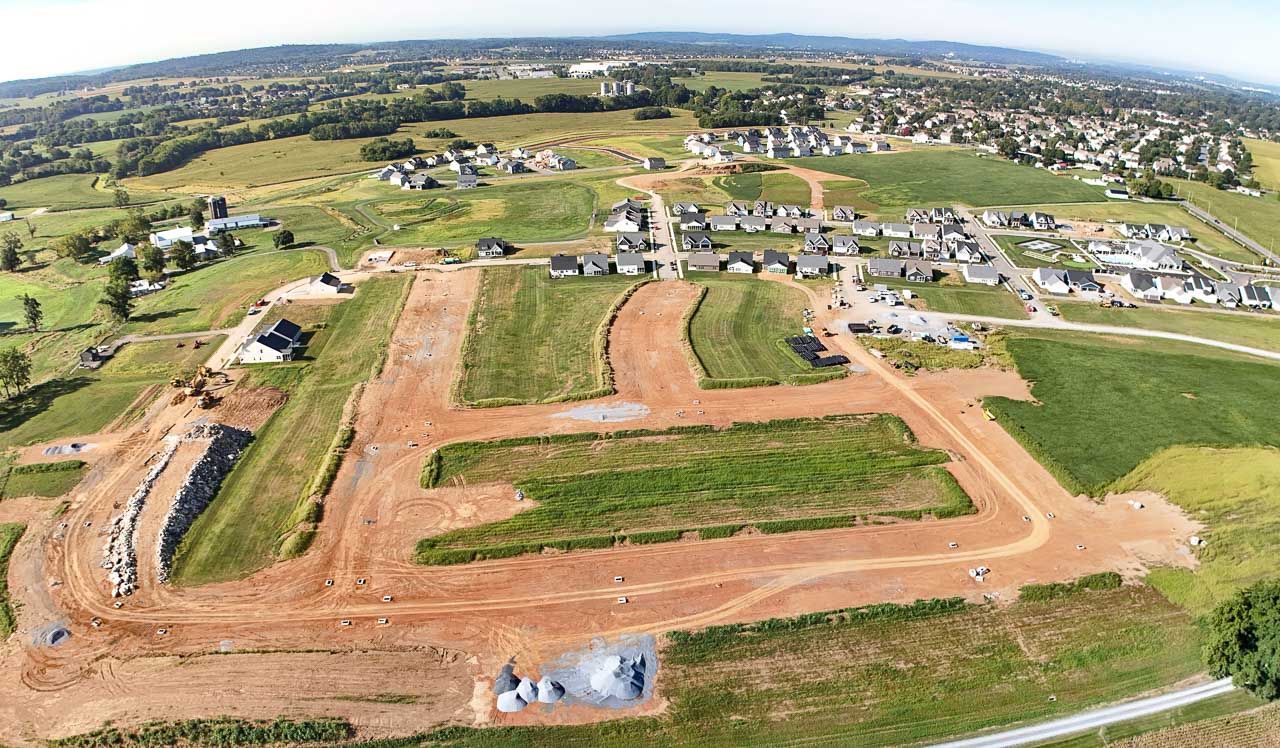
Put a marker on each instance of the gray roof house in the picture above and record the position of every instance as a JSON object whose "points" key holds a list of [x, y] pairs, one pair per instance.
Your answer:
{"points": [[595, 264], [898, 230], [695, 240], [777, 262], [630, 263], [843, 213], [741, 262], [984, 274], [632, 240], [696, 221], [563, 266], [919, 272], [724, 223], [467, 181], [752, 224], [706, 261], [654, 163], [810, 266], [845, 244], [885, 268], [737, 208], [816, 242], [491, 246], [866, 228]]}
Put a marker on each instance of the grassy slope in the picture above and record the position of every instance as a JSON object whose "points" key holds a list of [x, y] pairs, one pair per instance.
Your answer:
{"points": [[922, 178], [44, 483], [963, 298], [86, 402], [257, 503], [887, 681], [738, 329], [1266, 162], [1250, 330], [532, 338], [9, 535], [1256, 217], [65, 192], [1105, 405], [1236, 493], [778, 188], [807, 473]]}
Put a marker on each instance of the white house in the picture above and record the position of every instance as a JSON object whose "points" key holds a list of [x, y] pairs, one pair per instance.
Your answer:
{"points": [[1140, 285], [276, 343], [984, 274], [630, 263], [124, 250], [1051, 280], [166, 239], [327, 283], [741, 262]]}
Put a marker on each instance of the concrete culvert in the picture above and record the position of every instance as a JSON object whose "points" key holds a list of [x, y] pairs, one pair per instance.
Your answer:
{"points": [[511, 702], [527, 691], [549, 691]]}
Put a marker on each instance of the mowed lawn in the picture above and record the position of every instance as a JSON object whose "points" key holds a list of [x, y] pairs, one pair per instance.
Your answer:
{"points": [[217, 295], [261, 499], [1266, 161], [775, 187], [894, 675], [65, 192], [651, 486], [1254, 330], [45, 479], [1104, 405], [966, 298], [534, 339], [1255, 217], [738, 330], [1235, 492], [85, 402], [925, 178]]}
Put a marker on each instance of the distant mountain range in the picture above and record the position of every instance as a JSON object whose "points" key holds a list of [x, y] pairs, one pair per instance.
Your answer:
{"points": [[888, 47]]}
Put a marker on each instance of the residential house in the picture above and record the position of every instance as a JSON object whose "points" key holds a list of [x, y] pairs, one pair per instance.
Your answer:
{"points": [[563, 266], [693, 240], [679, 209], [752, 224], [654, 163], [777, 262], [419, 182], [812, 266], [906, 250], [467, 181], [276, 343], [724, 223], [884, 268], [1083, 281], [632, 241], [627, 204], [737, 209], [790, 211], [807, 224], [995, 218], [967, 250], [328, 283], [595, 264], [630, 263], [919, 272], [693, 221], [1043, 221], [491, 246], [844, 213], [741, 262], [779, 150], [704, 261], [816, 242], [1173, 289], [866, 228], [624, 220], [1230, 295], [762, 208], [1200, 289], [124, 250], [512, 167], [845, 244], [1051, 280], [985, 275], [1255, 297], [896, 230], [926, 231], [1140, 285], [782, 226]]}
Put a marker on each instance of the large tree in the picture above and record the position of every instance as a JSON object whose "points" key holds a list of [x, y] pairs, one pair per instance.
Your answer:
{"points": [[282, 238], [183, 255], [31, 311], [116, 298], [77, 246], [1243, 640], [121, 198], [9, 246], [123, 268], [15, 371], [152, 261]]}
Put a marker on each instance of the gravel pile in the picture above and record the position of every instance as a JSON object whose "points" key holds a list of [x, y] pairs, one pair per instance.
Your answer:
{"points": [[201, 484], [514, 694], [120, 552]]}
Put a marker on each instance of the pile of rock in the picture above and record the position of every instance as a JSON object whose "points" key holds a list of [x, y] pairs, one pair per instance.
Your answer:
{"points": [[199, 487], [514, 694], [120, 552]]}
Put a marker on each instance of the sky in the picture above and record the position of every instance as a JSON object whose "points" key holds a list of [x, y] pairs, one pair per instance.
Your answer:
{"points": [[53, 37]]}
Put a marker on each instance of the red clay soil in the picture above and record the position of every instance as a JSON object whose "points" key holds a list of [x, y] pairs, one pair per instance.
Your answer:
{"points": [[452, 627]]}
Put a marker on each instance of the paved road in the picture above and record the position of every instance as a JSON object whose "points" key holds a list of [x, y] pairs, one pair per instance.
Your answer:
{"points": [[1240, 238], [1057, 323], [1096, 718]]}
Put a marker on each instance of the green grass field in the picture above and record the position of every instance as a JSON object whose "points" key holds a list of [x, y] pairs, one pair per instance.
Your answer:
{"points": [[666, 146], [9, 535], [65, 192], [593, 489], [217, 295], [1256, 217], [891, 675], [268, 489], [85, 402], [962, 298], [1208, 239], [727, 80], [534, 339], [925, 178], [1199, 723], [1253, 330], [46, 480], [1012, 246], [738, 329], [1235, 492], [1105, 405], [1266, 161], [776, 187]]}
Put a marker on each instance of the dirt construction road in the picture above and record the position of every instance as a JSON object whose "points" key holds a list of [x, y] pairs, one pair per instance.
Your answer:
{"points": [[451, 628]]}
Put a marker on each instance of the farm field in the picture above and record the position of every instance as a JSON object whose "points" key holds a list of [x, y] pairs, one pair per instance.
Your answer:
{"points": [[1253, 330], [1255, 726], [1093, 420], [895, 675], [845, 192], [941, 177], [1212, 718], [777, 187], [1256, 217], [86, 402], [217, 294], [266, 494], [591, 159], [1236, 493], [534, 339], [65, 192], [737, 332], [666, 146], [801, 474], [727, 80], [1266, 162], [1208, 239], [1019, 255], [962, 298]]}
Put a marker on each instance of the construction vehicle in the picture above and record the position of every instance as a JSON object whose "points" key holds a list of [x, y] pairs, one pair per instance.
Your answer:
{"points": [[447, 261], [987, 414], [206, 401]]}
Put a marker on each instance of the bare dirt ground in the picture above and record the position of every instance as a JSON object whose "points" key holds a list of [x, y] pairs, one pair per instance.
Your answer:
{"points": [[451, 628]]}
